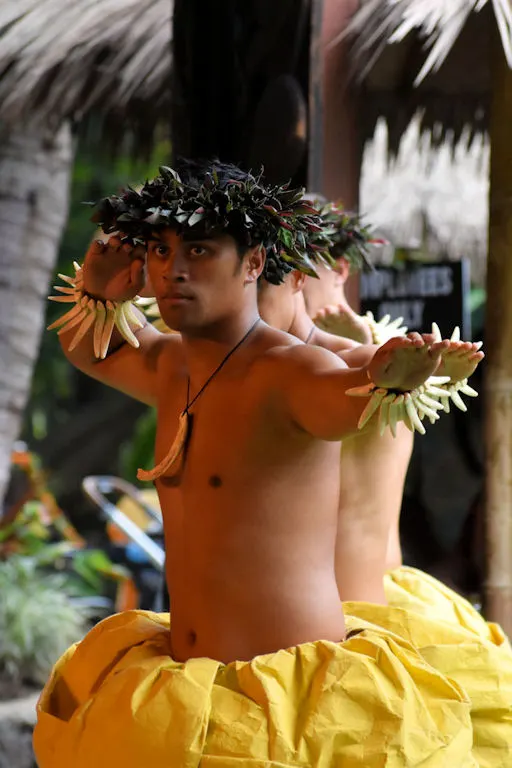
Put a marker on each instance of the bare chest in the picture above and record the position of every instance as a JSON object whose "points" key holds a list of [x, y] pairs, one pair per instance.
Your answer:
{"points": [[228, 432], [242, 454]]}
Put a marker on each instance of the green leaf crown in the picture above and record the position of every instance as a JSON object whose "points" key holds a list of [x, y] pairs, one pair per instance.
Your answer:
{"points": [[349, 236], [289, 227]]}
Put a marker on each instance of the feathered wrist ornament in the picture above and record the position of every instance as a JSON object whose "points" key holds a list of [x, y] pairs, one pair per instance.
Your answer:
{"points": [[89, 312], [384, 329], [452, 390], [395, 406]]}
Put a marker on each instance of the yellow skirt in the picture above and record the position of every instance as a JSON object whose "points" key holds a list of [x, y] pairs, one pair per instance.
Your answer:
{"points": [[455, 639], [117, 700], [417, 591]]}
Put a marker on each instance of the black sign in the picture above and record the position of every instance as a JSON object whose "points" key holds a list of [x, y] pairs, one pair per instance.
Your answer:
{"points": [[421, 293]]}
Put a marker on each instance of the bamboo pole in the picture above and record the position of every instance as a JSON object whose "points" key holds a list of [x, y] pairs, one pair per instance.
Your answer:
{"points": [[498, 384]]}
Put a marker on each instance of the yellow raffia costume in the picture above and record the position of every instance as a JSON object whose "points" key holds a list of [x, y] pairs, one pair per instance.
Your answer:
{"points": [[118, 700], [455, 639], [416, 591]]}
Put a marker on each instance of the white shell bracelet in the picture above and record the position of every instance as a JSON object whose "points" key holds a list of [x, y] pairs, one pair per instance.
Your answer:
{"points": [[452, 390], [384, 329], [424, 402], [411, 408], [88, 313]]}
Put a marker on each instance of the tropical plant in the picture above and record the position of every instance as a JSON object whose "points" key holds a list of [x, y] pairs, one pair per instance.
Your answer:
{"points": [[38, 620], [35, 527]]}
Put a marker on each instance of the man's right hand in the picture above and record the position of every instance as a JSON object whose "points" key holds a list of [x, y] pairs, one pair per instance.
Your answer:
{"points": [[114, 270], [403, 363], [341, 320]]}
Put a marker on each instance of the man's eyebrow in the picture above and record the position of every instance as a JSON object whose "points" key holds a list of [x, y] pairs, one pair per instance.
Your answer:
{"points": [[195, 237], [198, 239], [155, 239]]}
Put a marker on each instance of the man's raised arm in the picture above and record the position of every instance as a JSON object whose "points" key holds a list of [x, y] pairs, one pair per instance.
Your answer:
{"points": [[113, 273]]}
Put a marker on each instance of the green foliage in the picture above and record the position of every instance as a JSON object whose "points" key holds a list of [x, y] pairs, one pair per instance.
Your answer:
{"points": [[91, 565], [83, 572], [27, 531], [38, 620], [94, 175], [31, 535], [350, 238]]}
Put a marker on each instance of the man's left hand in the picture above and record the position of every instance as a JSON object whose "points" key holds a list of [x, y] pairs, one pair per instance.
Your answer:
{"points": [[459, 360]]}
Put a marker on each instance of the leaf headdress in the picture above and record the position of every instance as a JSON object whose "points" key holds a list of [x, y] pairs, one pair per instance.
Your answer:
{"points": [[349, 236], [216, 201]]}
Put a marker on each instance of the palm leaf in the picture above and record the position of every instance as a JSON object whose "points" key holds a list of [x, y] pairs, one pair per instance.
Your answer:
{"points": [[414, 56], [62, 59], [438, 23]]}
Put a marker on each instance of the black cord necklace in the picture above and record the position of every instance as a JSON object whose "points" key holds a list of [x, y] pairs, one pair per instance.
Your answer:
{"points": [[310, 334], [216, 371], [179, 447]]}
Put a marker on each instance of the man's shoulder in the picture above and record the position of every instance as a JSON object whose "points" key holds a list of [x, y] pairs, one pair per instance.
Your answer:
{"points": [[283, 353], [167, 352], [336, 344]]}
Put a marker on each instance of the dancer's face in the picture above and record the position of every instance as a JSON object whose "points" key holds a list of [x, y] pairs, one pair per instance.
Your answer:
{"points": [[328, 289], [199, 283]]}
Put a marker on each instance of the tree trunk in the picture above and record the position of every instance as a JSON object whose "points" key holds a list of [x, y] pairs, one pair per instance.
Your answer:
{"points": [[498, 426], [34, 185]]}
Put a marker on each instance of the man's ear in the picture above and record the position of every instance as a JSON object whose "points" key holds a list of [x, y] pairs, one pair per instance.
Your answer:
{"points": [[342, 271], [298, 279], [255, 261]]}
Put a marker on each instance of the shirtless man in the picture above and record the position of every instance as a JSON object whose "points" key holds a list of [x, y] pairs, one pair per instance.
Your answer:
{"points": [[251, 515], [373, 466], [384, 459], [249, 455]]}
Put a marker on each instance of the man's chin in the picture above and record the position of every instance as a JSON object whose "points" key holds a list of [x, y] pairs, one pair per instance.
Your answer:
{"points": [[175, 316], [173, 323], [176, 322]]}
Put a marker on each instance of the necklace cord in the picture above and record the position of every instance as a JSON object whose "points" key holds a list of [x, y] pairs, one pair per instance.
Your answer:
{"points": [[218, 368]]}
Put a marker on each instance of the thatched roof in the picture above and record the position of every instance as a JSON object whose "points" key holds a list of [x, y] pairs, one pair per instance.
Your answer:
{"points": [[62, 58], [396, 45], [430, 198], [65, 58]]}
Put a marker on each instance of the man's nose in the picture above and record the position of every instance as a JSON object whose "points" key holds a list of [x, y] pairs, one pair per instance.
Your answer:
{"points": [[176, 269]]}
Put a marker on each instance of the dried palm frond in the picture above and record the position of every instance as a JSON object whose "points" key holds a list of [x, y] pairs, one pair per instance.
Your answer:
{"points": [[438, 23], [61, 59], [428, 199], [427, 57]]}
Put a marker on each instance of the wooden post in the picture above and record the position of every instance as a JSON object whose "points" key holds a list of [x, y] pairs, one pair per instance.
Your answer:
{"points": [[498, 387], [334, 145]]}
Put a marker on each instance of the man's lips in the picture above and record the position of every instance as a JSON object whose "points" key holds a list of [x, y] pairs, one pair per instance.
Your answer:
{"points": [[177, 298]]}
